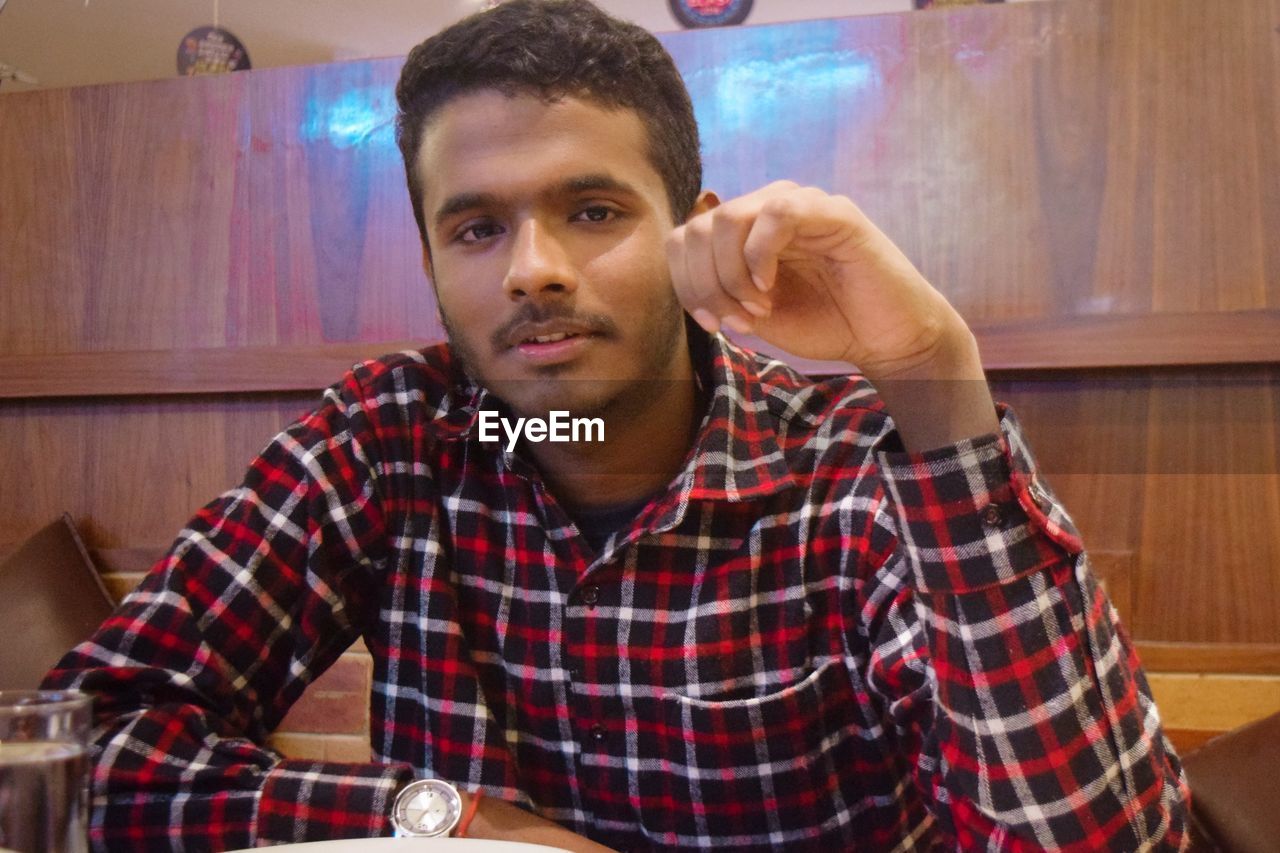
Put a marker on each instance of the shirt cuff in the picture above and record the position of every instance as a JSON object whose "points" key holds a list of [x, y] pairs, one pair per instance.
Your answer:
{"points": [[976, 514], [320, 800]]}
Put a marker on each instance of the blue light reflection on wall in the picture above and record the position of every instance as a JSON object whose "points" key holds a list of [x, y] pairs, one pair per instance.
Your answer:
{"points": [[347, 132], [778, 94], [770, 96], [363, 115], [780, 87], [777, 90]]}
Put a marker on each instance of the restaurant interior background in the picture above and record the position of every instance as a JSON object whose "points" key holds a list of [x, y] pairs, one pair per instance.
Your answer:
{"points": [[74, 42], [185, 262]]}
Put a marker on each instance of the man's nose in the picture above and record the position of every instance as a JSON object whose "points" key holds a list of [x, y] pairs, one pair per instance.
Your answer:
{"points": [[539, 264]]}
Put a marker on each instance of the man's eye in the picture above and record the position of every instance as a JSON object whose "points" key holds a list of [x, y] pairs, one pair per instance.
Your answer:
{"points": [[596, 213], [478, 232]]}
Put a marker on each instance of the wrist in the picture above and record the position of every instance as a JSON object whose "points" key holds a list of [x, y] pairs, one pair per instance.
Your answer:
{"points": [[951, 355], [426, 808], [470, 805], [942, 399]]}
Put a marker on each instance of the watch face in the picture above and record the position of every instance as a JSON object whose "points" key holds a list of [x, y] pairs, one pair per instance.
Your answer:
{"points": [[427, 807]]}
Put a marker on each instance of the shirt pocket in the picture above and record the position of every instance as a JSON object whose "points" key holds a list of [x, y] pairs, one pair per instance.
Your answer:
{"points": [[755, 772]]}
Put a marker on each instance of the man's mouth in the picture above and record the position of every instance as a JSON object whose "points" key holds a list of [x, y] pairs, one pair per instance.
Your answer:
{"points": [[549, 339], [551, 343], [547, 332]]}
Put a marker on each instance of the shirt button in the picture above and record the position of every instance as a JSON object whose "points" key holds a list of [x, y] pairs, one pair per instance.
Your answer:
{"points": [[598, 733], [993, 516], [590, 595]]}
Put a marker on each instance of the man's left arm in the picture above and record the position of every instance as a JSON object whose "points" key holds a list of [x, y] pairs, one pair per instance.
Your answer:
{"points": [[1028, 720], [1033, 676]]}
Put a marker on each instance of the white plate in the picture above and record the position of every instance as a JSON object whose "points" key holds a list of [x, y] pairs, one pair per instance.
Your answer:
{"points": [[410, 845]]}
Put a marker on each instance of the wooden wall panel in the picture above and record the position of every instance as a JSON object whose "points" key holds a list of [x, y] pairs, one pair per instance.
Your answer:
{"points": [[183, 372], [253, 210], [327, 231], [1071, 158], [1044, 161], [1179, 469], [1092, 182], [121, 184], [130, 472], [1183, 469]]}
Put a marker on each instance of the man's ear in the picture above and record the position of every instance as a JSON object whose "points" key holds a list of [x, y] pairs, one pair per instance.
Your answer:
{"points": [[707, 200]]}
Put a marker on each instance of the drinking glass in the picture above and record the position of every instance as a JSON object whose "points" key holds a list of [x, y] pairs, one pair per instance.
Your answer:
{"points": [[44, 771]]}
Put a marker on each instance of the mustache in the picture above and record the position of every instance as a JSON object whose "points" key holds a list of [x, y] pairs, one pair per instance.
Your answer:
{"points": [[530, 314]]}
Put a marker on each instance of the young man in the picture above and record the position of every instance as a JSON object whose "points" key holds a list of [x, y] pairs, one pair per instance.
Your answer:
{"points": [[764, 612]]}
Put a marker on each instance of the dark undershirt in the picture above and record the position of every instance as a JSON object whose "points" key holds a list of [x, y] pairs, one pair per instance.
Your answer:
{"points": [[597, 524]]}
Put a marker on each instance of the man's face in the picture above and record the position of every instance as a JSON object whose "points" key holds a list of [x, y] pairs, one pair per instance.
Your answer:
{"points": [[546, 224]]}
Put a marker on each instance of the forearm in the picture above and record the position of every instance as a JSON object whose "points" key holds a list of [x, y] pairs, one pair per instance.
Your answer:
{"points": [[941, 399], [170, 772], [501, 821], [206, 655]]}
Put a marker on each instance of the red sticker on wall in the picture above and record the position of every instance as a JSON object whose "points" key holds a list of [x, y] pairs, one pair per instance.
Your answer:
{"points": [[710, 13]]}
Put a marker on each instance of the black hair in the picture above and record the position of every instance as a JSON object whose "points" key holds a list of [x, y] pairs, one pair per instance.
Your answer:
{"points": [[554, 49]]}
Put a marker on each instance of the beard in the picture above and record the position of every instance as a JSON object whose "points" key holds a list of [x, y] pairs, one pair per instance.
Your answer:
{"points": [[621, 397]]}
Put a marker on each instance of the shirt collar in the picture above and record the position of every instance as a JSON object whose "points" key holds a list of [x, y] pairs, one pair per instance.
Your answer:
{"points": [[735, 456]]}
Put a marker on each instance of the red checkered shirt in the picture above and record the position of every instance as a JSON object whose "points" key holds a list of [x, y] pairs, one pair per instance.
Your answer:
{"points": [[807, 642]]}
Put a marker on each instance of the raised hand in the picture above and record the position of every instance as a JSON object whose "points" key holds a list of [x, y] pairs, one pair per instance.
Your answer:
{"points": [[809, 273]]}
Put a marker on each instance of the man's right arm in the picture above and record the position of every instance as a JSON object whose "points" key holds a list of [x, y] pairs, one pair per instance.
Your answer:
{"points": [[262, 591]]}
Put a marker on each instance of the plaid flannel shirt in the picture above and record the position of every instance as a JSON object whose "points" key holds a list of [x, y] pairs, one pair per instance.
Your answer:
{"points": [[807, 642]]}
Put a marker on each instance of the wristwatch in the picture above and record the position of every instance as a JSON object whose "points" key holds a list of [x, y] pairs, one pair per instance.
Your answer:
{"points": [[427, 807]]}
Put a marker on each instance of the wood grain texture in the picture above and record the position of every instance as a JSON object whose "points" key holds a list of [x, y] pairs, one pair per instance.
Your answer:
{"points": [[133, 560], [1092, 183], [1238, 658], [1045, 161], [1182, 469], [1111, 341], [1210, 540], [258, 209], [1211, 702], [1161, 340], [1115, 570], [119, 584], [129, 471], [1186, 740], [185, 371]]}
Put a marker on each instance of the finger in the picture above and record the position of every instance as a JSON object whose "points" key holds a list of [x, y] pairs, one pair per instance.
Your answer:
{"points": [[760, 255], [772, 230], [679, 269], [682, 283], [729, 230], [705, 287], [804, 217]]}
